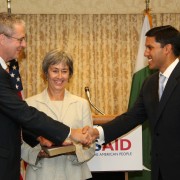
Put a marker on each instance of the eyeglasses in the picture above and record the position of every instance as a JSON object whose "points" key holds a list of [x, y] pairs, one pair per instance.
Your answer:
{"points": [[18, 39]]}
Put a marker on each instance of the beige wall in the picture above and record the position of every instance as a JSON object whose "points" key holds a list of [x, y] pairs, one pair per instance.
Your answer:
{"points": [[89, 6]]}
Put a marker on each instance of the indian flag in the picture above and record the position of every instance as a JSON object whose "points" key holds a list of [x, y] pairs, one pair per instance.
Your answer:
{"points": [[141, 72]]}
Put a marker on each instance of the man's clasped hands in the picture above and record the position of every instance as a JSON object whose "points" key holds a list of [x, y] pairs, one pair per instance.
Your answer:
{"points": [[85, 136]]}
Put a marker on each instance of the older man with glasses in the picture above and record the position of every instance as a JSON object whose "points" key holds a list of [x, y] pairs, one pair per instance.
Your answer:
{"points": [[15, 113]]}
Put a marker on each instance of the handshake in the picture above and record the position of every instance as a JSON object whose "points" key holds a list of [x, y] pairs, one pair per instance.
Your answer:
{"points": [[85, 136]]}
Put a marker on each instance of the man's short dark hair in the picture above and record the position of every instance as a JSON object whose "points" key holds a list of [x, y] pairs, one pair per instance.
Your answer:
{"points": [[166, 35]]}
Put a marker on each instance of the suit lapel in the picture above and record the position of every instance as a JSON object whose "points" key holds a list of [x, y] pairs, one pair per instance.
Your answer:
{"points": [[170, 86], [43, 98], [68, 100]]}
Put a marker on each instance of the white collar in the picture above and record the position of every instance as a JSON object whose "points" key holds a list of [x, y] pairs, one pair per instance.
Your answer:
{"points": [[169, 70], [3, 64]]}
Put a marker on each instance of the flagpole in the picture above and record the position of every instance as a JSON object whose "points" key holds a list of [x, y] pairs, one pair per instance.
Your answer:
{"points": [[147, 6], [147, 12], [9, 6]]}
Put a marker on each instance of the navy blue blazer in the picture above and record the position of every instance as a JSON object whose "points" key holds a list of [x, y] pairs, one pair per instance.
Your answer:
{"points": [[164, 120]]}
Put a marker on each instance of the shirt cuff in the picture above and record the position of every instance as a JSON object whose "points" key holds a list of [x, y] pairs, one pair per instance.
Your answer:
{"points": [[69, 133], [101, 139]]}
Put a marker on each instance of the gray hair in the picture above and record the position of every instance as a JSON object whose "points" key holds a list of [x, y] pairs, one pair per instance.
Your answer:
{"points": [[57, 56], [7, 22]]}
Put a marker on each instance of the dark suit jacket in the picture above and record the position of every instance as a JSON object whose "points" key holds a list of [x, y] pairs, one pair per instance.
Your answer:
{"points": [[14, 114], [164, 118]]}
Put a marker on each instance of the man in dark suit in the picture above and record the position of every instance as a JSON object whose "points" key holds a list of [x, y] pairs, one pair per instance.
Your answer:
{"points": [[15, 113], [163, 48]]}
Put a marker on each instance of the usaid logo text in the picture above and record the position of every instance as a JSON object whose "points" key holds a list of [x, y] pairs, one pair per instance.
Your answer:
{"points": [[118, 144]]}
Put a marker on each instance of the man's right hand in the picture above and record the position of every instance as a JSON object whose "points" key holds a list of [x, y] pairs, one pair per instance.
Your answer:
{"points": [[93, 132], [78, 136]]}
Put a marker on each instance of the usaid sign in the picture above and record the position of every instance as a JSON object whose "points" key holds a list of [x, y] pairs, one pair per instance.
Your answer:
{"points": [[123, 154]]}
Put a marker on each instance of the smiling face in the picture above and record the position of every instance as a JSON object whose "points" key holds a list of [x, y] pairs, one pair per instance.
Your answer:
{"points": [[155, 53], [57, 77], [12, 44]]}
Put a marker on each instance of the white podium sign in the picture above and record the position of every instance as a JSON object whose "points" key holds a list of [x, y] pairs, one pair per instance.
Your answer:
{"points": [[123, 154]]}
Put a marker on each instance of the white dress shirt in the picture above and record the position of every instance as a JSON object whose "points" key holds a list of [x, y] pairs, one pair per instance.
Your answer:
{"points": [[169, 70]]}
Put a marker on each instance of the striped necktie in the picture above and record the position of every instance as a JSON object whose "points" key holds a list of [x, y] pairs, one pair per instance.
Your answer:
{"points": [[162, 78]]}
